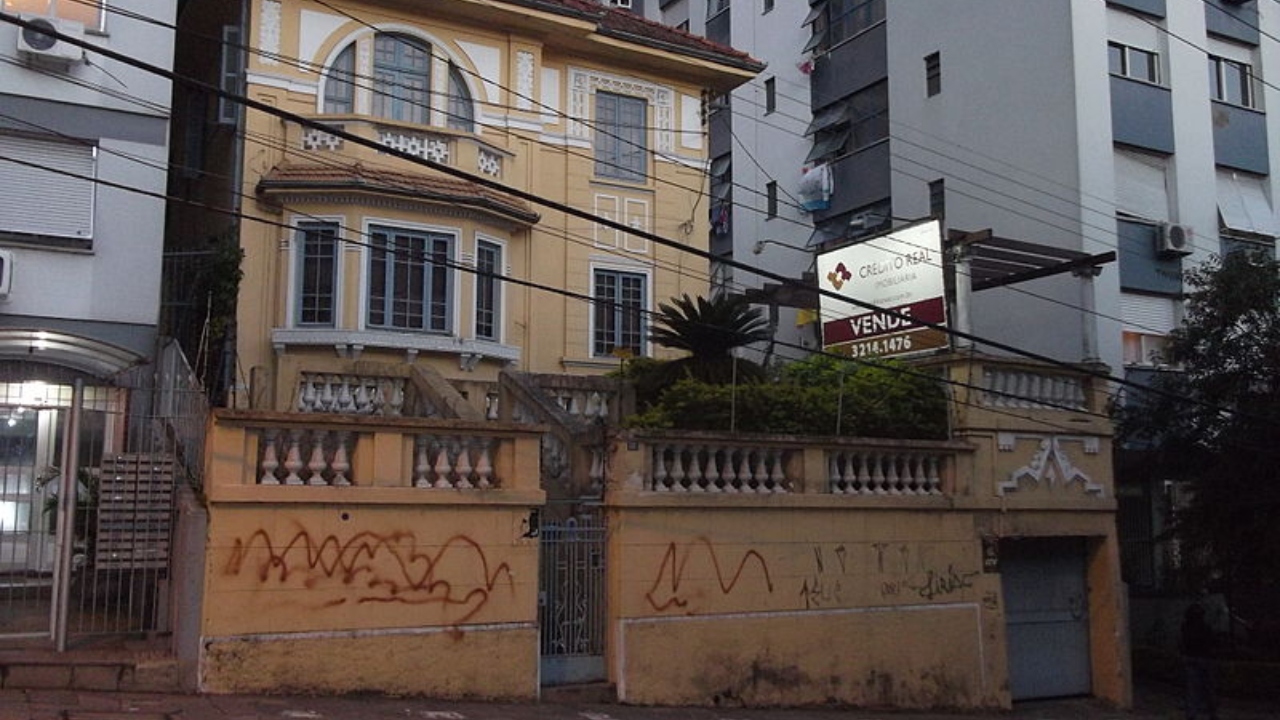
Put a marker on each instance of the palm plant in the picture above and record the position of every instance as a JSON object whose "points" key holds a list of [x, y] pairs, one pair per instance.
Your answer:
{"points": [[709, 330]]}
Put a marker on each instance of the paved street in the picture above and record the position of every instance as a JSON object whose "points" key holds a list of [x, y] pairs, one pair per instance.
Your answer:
{"points": [[1151, 703]]}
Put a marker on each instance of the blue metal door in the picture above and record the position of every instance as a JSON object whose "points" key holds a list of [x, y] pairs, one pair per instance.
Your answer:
{"points": [[1047, 616]]}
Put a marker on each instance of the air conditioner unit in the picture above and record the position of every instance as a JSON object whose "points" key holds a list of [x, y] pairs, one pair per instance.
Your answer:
{"points": [[38, 41], [6, 273], [1173, 240]]}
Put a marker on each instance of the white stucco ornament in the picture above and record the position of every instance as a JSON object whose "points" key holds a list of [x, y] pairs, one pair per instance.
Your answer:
{"points": [[1050, 464]]}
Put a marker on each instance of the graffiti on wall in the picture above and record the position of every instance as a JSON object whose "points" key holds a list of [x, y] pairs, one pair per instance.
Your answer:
{"points": [[825, 587], [672, 584], [374, 568]]}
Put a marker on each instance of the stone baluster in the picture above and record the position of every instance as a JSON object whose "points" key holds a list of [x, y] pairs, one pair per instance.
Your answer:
{"points": [[660, 476], [596, 473], [443, 468], [463, 467], [484, 465], [679, 476], [316, 465], [421, 463], [362, 399], [778, 476], [396, 404], [892, 479], [269, 460], [933, 481], [876, 461], [341, 460], [307, 394], [293, 458]]}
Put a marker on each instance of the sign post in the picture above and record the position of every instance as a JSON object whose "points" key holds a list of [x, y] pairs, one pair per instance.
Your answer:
{"points": [[900, 271]]}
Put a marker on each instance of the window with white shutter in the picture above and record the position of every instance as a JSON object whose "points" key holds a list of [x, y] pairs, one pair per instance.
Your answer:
{"points": [[49, 188]]}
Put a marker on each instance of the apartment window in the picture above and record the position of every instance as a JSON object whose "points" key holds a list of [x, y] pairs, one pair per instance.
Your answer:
{"points": [[932, 74], [410, 281], [621, 3], [620, 303], [488, 290], [1134, 63], [834, 21], [770, 95], [851, 125], [1231, 81], [401, 78], [621, 148], [49, 189], [768, 7], [938, 198], [771, 199], [715, 7], [317, 269], [1144, 348], [231, 75], [90, 13], [462, 113]]}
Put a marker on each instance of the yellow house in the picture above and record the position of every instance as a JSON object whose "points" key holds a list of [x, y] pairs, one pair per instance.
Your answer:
{"points": [[388, 173]]}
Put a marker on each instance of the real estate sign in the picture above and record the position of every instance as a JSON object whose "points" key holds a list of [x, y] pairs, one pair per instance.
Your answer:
{"points": [[897, 282]]}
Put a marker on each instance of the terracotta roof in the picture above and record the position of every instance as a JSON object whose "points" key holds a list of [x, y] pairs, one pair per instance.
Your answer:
{"points": [[624, 24], [424, 187]]}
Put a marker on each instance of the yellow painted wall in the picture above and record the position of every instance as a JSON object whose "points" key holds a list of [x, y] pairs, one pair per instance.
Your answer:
{"points": [[542, 152], [801, 606]]}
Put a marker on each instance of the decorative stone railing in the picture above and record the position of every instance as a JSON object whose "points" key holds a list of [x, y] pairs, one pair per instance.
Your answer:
{"points": [[1006, 387], [446, 147], [855, 471], [350, 394], [718, 467], [692, 463], [266, 449]]}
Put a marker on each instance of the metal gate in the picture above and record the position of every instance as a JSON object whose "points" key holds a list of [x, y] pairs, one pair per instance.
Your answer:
{"points": [[571, 601], [88, 474], [1047, 616]]}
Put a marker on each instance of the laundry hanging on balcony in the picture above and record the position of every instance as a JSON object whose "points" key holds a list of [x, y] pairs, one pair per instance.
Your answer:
{"points": [[815, 187], [720, 219]]}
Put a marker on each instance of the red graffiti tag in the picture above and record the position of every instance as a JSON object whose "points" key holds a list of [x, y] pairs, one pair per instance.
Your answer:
{"points": [[375, 568], [672, 571]]}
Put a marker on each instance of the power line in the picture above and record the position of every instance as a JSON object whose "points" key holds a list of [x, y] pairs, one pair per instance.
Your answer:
{"points": [[572, 211]]}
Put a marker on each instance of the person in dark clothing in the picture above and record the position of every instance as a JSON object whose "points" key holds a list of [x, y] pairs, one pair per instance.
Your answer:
{"points": [[1197, 656]]}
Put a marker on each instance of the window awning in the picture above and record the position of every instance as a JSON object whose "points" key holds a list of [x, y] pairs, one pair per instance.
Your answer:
{"points": [[721, 165], [827, 145], [817, 39], [1243, 206], [828, 116], [1141, 187], [815, 12]]}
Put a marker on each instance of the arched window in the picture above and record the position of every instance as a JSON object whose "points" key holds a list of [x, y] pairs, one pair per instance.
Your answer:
{"points": [[339, 83], [401, 78], [461, 109]]}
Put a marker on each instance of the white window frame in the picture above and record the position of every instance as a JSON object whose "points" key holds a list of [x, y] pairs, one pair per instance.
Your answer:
{"points": [[499, 290], [611, 142], [646, 321], [44, 172], [1218, 67], [299, 225], [370, 227], [1126, 63]]}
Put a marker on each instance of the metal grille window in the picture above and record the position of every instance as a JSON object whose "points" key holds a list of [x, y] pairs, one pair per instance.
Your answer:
{"points": [[1231, 81], [401, 72], [621, 146], [488, 290], [339, 84], [410, 282], [771, 199], [860, 121], [619, 313], [1133, 63], [770, 95], [231, 74], [938, 198], [317, 273], [48, 188]]}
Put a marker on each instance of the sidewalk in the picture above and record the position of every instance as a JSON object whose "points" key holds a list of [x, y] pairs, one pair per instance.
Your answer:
{"points": [[1151, 703]]}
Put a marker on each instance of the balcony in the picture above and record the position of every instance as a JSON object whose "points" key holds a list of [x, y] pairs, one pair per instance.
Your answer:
{"points": [[270, 457], [455, 149]]}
